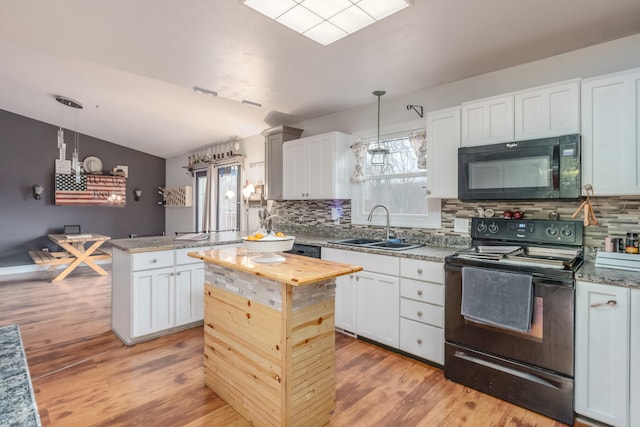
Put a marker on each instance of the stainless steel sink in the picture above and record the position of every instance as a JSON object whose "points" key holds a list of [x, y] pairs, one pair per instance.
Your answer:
{"points": [[377, 244], [356, 242]]}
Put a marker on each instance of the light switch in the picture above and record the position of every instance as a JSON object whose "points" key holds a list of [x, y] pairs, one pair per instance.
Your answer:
{"points": [[461, 225]]}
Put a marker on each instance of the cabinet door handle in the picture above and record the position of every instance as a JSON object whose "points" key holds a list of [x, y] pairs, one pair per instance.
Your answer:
{"points": [[419, 340], [420, 292], [419, 314], [357, 278], [610, 303], [419, 271]]}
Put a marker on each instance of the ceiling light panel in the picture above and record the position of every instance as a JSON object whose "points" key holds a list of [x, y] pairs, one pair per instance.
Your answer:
{"points": [[325, 33], [326, 8], [299, 19], [352, 19], [379, 9], [271, 8], [326, 21]]}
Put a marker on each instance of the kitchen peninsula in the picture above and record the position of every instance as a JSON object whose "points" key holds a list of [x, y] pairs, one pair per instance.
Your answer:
{"points": [[269, 335]]}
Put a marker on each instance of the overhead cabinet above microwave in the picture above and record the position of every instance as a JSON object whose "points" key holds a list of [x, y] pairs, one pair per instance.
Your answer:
{"points": [[540, 112]]}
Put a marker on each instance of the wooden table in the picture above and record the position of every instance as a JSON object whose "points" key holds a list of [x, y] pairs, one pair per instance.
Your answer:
{"points": [[75, 253], [269, 339]]}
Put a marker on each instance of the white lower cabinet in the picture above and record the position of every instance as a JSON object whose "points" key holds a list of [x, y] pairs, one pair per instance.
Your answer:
{"points": [[156, 293], [189, 293], [602, 353], [152, 295], [634, 357], [367, 302], [422, 309], [345, 311], [377, 315]]}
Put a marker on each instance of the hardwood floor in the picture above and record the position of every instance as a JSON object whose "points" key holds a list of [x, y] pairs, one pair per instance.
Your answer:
{"points": [[84, 376]]}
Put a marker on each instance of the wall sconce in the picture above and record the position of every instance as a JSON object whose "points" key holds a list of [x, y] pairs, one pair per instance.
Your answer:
{"points": [[37, 191], [137, 193]]}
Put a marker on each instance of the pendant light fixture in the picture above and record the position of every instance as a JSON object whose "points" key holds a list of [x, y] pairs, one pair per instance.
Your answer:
{"points": [[378, 153], [75, 161]]}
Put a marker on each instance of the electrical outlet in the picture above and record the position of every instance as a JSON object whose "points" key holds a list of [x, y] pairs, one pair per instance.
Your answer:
{"points": [[461, 225]]}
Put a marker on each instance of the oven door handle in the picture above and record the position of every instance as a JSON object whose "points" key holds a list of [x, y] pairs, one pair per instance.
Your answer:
{"points": [[524, 375]]}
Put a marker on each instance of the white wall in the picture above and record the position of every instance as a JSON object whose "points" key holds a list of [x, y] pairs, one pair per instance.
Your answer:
{"points": [[596, 60]]}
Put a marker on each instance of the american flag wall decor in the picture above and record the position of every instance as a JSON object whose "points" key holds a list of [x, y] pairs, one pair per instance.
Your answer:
{"points": [[92, 190]]}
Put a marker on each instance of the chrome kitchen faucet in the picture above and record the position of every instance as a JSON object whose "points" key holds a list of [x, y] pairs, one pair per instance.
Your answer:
{"points": [[371, 217]]}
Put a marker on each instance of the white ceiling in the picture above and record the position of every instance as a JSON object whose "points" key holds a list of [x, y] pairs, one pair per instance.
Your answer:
{"points": [[132, 64]]}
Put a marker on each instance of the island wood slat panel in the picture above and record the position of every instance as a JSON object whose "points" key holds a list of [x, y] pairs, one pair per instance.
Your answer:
{"points": [[275, 367]]}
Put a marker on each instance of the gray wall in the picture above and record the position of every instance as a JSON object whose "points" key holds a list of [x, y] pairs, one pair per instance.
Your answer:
{"points": [[28, 149]]}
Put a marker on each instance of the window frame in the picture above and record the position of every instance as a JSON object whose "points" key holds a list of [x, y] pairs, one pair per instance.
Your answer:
{"points": [[430, 219]]}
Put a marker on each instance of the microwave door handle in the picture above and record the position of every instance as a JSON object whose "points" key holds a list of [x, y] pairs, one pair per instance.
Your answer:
{"points": [[555, 170]]}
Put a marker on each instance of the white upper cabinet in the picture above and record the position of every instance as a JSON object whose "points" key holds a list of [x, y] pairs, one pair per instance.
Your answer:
{"points": [[610, 133], [316, 167], [487, 121], [443, 141], [546, 111]]}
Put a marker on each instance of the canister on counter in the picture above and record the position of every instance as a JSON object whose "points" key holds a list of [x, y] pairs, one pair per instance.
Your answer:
{"points": [[631, 243], [618, 245], [608, 244]]}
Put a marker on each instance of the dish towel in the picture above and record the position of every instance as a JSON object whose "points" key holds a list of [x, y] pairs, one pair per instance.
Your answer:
{"points": [[497, 298]]}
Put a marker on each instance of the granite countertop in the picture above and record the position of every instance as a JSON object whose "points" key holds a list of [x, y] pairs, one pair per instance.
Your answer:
{"points": [[18, 404], [150, 244], [295, 270], [166, 243], [608, 276]]}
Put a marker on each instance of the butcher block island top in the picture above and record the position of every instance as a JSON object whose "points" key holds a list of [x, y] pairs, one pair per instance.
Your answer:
{"points": [[295, 270], [269, 338]]}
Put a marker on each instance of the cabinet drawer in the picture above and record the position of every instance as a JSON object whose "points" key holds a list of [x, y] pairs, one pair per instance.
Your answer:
{"points": [[431, 271], [422, 291], [422, 312], [422, 340], [183, 258], [148, 260], [374, 263]]}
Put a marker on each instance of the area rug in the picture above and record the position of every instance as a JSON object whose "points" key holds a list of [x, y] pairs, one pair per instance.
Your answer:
{"points": [[17, 401]]}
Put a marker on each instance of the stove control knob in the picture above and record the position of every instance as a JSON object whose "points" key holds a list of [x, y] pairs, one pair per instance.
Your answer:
{"points": [[567, 232], [552, 231], [493, 228], [482, 227]]}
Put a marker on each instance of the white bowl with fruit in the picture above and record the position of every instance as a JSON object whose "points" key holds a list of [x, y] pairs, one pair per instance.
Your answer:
{"points": [[267, 243]]}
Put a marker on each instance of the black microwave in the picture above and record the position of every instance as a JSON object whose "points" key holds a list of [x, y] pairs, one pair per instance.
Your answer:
{"points": [[547, 168]]}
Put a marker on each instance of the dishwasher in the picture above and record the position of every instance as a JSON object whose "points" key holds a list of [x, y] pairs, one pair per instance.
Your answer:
{"points": [[311, 251]]}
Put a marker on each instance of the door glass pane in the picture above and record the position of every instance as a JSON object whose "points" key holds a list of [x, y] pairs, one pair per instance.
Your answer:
{"points": [[201, 188], [228, 208]]}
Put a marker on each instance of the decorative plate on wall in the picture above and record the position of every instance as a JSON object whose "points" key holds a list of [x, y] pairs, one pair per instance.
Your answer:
{"points": [[92, 164]]}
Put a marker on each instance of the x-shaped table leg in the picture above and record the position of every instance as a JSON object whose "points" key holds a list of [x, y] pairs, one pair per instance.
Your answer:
{"points": [[81, 255]]}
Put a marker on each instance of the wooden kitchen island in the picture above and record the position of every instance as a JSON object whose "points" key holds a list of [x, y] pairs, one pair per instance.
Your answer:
{"points": [[269, 345]]}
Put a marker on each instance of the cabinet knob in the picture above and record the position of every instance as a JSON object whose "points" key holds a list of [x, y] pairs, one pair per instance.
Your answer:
{"points": [[357, 277], [610, 303], [419, 340], [351, 276], [420, 292], [419, 314], [428, 191], [419, 271], [154, 261]]}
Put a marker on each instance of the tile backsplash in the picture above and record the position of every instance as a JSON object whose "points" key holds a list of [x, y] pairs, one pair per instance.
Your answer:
{"points": [[616, 216]]}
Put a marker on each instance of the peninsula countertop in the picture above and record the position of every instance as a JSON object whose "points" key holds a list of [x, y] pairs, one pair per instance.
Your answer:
{"points": [[295, 270], [150, 244]]}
